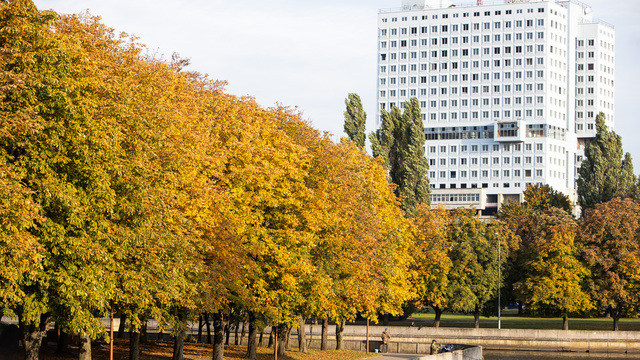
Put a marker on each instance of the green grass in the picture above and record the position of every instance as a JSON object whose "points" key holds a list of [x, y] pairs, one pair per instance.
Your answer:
{"points": [[511, 320]]}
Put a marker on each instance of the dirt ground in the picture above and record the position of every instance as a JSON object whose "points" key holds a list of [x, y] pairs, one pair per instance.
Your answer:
{"points": [[148, 350], [164, 350]]}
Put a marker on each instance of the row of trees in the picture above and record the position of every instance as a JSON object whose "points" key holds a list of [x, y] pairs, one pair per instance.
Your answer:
{"points": [[565, 266], [131, 186], [555, 264]]}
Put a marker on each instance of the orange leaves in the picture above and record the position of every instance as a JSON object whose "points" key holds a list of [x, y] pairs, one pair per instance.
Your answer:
{"points": [[432, 263], [140, 186], [610, 236]]}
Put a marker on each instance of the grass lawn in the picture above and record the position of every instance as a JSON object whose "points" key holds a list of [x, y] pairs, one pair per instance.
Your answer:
{"points": [[511, 320]]}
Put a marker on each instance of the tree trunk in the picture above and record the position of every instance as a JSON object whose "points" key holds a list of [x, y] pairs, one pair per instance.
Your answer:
{"points": [[476, 317], [520, 309], [615, 314], [200, 325], [243, 333], [178, 339], [160, 334], [227, 332], [63, 344], [218, 335], [288, 337], [143, 331], [237, 338], [339, 332], [206, 317], [282, 335], [134, 345], [315, 322], [565, 322], [302, 336], [252, 345], [178, 346], [84, 347], [436, 321], [325, 336], [32, 336], [271, 336], [121, 327], [261, 336]]}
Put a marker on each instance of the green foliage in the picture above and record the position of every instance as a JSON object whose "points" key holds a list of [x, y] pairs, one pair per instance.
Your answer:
{"points": [[100, 171], [400, 143], [531, 266], [605, 172], [543, 197], [553, 274], [456, 258], [132, 185], [355, 120], [473, 278]]}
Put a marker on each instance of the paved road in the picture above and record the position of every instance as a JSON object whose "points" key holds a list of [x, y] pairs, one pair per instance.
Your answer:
{"points": [[399, 356]]}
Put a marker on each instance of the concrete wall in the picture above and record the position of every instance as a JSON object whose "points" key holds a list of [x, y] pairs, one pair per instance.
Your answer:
{"points": [[470, 353], [413, 340]]}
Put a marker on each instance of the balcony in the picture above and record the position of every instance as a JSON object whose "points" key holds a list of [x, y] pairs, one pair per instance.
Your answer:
{"points": [[509, 131]]}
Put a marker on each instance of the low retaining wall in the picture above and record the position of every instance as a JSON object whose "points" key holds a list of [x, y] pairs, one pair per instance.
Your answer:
{"points": [[468, 353], [413, 340]]}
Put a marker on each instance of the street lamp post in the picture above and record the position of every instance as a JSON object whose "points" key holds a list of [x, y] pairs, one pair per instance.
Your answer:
{"points": [[499, 281]]}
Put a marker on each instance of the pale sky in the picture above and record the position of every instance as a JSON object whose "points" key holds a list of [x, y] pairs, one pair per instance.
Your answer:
{"points": [[311, 54]]}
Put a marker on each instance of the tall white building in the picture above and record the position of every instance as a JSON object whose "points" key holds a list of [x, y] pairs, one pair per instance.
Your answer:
{"points": [[509, 91]]}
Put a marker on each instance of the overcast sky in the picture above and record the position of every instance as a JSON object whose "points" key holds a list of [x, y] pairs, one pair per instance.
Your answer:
{"points": [[311, 54]]}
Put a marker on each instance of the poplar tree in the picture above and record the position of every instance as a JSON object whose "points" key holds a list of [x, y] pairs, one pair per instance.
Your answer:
{"points": [[400, 143], [355, 119], [605, 173]]}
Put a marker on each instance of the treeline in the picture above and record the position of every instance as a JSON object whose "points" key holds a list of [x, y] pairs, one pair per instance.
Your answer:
{"points": [[551, 265], [132, 187]]}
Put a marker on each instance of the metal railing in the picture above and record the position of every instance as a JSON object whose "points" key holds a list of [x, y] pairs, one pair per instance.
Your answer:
{"points": [[598, 21], [465, 4]]}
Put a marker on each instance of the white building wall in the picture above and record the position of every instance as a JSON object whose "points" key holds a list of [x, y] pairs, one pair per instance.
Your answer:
{"points": [[498, 89]]}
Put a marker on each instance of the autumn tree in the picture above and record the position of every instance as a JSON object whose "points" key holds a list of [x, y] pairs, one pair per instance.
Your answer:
{"points": [[96, 157], [133, 186], [523, 221], [553, 275], [610, 237], [355, 120], [47, 149], [361, 248], [605, 172], [400, 143], [431, 264]]}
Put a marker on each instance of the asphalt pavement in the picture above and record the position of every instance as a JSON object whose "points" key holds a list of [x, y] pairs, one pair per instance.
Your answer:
{"points": [[399, 356]]}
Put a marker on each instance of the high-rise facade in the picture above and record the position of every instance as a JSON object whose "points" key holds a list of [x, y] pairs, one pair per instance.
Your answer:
{"points": [[509, 91]]}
